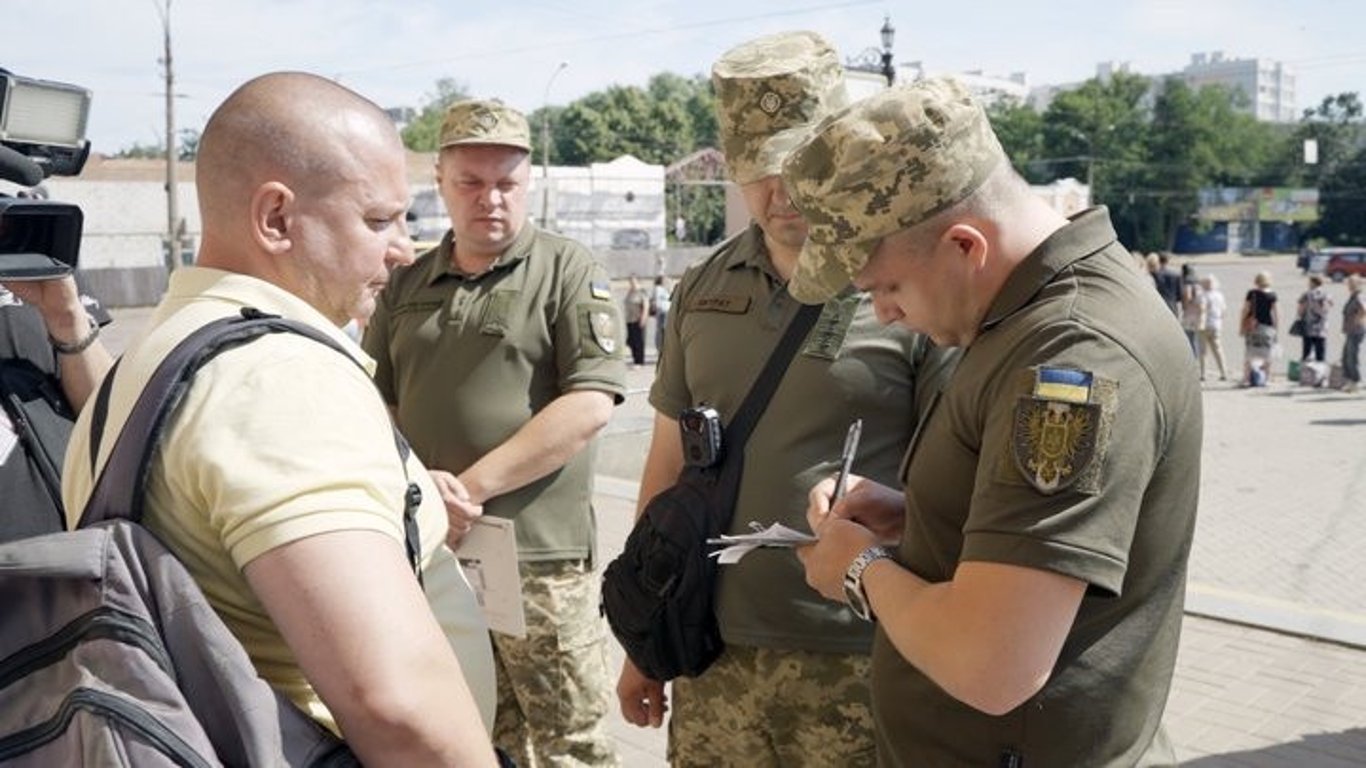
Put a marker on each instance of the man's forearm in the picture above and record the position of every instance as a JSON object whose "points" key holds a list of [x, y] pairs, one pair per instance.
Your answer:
{"points": [[989, 637], [543, 445], [80, 372], [663, 463]]}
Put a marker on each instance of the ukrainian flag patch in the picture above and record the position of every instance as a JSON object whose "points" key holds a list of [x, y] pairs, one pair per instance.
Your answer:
{"points": [[1064, 385], [600, 290]]}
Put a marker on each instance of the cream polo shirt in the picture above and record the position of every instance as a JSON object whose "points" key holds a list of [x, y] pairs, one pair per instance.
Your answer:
{"points": [[276, 440]]}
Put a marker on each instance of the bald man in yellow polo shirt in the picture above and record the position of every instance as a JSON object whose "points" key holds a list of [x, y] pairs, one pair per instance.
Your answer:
{"points": [[277, 484]]}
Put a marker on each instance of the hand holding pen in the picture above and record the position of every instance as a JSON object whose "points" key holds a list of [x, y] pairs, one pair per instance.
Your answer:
{"points": [[851, 439]]}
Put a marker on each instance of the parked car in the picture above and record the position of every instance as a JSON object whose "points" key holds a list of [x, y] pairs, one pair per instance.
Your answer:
{"points": [[1343, 262], [427, 219]]}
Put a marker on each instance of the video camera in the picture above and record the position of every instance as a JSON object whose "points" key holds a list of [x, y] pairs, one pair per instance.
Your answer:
{"points": [[42, 133]]}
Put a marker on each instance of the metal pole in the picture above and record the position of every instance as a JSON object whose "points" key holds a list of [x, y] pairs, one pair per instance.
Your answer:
{"points": [[545, 144], [172, 183]]}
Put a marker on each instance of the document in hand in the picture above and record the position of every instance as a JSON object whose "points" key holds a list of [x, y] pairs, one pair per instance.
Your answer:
{"points": [[737, 546]]}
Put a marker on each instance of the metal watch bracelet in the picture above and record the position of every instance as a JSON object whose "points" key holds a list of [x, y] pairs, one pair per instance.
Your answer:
{"points": [[80, 345]]}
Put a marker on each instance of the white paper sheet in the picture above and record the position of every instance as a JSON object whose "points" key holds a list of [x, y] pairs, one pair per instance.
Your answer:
{"points": [[737, 546], [488, 553]]}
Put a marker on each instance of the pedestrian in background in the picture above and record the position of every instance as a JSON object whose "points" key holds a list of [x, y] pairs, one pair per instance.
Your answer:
{"points": [[635, 305], [1312, 312], [660, 303], [1257, 325], [1211, 335], [1192, 309], [1353, 329], [499, 352], [1168, 283]]}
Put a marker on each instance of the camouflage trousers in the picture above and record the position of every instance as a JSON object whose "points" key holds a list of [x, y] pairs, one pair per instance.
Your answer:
{"points": [[553, 687], [759, 707]]}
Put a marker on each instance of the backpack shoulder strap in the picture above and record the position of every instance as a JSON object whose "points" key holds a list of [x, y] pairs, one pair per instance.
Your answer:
{"points": [[118, 490]]}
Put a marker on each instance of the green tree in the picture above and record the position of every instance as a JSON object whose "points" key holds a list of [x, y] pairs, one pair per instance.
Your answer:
{"points": [[1020, 129], [138, 150], [424, 132], [1097, 133], [1200, 139], [1336, 126], [189, 144]]}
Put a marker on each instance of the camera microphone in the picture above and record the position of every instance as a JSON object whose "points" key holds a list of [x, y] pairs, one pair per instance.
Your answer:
{"points": [[18, 168]]}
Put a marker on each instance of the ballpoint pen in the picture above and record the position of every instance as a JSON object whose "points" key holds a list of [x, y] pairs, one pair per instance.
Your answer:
{"points": [[846, 461]]}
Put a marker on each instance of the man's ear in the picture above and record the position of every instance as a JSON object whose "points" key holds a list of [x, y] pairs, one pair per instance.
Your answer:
{"points": [[968, 241], [272, 215]]}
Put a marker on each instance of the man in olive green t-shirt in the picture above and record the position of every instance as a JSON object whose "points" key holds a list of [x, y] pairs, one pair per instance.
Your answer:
{"points": [[500, 352], [791, 687], [1031, 612]]}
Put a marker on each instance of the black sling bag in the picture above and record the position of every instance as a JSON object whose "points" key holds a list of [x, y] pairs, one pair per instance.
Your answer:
{"points": [[658, 594]]}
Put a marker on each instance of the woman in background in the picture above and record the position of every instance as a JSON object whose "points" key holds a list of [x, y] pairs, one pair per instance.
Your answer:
{"points": [[1257, 325], [1211, 342]]}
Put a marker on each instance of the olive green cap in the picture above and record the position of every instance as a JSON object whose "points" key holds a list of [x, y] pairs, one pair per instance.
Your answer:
{"points": [[883, 165], [484, 121], [770, 93]]}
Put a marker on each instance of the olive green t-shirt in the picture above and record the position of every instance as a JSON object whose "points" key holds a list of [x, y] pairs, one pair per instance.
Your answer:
{"points": [[727, 315], [468, 360], [1068, 440]]}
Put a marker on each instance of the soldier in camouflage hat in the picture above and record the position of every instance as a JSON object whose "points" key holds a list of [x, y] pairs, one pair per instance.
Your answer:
{"points": [[879, 171], [1030, 612], [791, 686], [500, 351], [484, 121], [769, 94]]}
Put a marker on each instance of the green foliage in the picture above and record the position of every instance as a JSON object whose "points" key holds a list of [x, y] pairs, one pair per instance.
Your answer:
{"points": [[423, 133], [138, 150], [1148, 152], [187, 149], [1020, 129], [657, 124], [668, 119]]}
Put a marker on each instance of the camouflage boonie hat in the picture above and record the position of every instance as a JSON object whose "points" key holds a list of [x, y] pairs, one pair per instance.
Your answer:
{"points": [[884, 164], [770, 93], [484, 121]]}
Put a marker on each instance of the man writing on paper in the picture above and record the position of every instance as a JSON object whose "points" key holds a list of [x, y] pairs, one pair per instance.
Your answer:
{"points": [[1030, 612]]}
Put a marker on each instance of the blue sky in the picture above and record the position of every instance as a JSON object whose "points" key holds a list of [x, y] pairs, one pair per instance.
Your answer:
{"points": [[395, 51]]}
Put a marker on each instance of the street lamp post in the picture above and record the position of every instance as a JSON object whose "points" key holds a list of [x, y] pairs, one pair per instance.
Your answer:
{"points": [[545, 144], [888, 33]]}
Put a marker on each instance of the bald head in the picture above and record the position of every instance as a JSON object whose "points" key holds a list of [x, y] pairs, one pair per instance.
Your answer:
{"points": [[291, 127]]}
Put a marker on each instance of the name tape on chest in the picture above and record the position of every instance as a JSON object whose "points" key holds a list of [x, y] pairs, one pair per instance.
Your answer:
{"points": [[733, 305]]}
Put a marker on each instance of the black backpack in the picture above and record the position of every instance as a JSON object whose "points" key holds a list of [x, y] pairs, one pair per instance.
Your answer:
{"points": [[109, 653]]}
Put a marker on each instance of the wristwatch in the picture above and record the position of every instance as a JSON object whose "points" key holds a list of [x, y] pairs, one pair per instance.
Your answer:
{"points": [[853, 581]]}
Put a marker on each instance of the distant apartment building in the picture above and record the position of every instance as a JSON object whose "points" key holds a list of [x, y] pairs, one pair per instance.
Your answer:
{"points": [[1268, 86], [861, 81]]}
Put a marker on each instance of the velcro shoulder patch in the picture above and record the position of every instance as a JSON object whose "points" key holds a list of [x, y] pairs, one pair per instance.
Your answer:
{"points": [[1061, 429]]}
